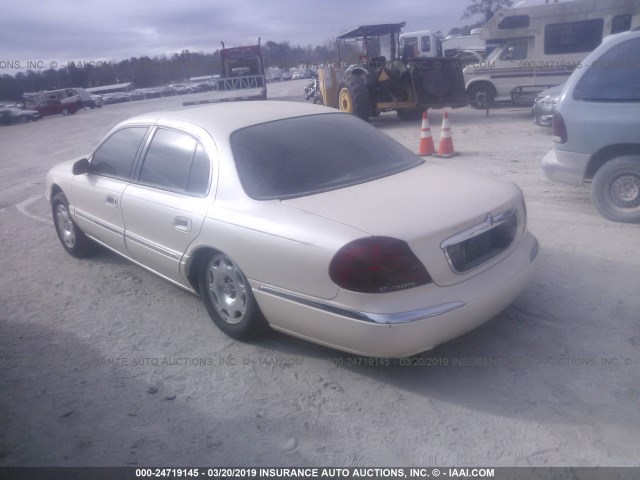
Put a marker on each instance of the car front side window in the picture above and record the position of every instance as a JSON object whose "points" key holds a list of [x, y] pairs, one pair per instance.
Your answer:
{"points": [[115, 157]]}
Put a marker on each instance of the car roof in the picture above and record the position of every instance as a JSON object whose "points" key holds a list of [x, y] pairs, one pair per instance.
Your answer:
{"points": [[222, 119]]}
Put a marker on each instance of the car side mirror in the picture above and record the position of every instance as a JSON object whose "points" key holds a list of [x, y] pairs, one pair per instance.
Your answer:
{"points": [[81, 167]]}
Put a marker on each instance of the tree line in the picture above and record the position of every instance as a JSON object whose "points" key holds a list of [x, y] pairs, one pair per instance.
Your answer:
{"points": [[150, 72], [161, 70]]}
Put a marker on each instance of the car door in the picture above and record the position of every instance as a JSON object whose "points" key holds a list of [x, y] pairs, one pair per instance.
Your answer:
{"points": [[97, 195], [164, 208]]}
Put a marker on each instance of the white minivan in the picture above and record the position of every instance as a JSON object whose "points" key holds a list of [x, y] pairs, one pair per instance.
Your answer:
{"points": [[596, 128]]}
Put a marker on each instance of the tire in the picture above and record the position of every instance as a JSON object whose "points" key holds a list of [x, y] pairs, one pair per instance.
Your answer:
{"points": [[615, 189], [481, 96], [65, 112], [73, 240], [353, 96], [227, 295], [24, 119]]}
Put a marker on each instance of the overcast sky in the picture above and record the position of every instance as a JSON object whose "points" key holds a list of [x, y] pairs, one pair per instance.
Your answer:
{"points": [[59, 31]]}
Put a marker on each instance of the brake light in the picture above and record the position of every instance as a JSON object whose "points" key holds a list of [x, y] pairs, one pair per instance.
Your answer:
{"points": [[377, 265], [558, 128]]}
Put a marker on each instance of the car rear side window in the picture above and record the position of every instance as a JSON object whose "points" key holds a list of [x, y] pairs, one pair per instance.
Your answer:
{"points": [[114, 158], [176, 161], [614, 76], [305, 155]]}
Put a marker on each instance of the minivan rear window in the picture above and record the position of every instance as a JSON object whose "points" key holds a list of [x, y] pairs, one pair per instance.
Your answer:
{"points": [[614, 76]]}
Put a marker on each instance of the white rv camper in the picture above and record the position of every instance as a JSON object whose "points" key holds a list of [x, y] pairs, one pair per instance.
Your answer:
{"points": [[538, 47]]}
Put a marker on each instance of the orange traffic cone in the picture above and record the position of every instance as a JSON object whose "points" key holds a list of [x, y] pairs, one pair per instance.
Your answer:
{"points": [[445, 147], [426, 140]]}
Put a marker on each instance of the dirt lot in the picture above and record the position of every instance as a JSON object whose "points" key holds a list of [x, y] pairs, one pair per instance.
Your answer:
{"points": [[102, 363]]}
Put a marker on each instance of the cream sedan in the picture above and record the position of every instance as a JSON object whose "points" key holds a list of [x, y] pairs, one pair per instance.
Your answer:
{"points": [[302, 219]]}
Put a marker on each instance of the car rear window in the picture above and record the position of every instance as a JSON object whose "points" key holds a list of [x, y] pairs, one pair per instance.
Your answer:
{"points": [[306, 155]]}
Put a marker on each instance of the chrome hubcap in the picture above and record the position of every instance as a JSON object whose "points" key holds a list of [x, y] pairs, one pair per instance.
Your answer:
{"points": [[625, 191], [227, 289], [66, 229]]}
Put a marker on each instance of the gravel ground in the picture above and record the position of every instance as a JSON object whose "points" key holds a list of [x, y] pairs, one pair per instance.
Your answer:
{"points": [[104, 364]]}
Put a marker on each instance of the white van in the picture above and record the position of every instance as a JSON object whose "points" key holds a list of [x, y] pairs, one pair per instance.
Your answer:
{"points": [[538, 47]]}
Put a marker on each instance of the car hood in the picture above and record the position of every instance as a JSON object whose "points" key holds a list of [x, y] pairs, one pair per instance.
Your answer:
{"points": [[422, 206]]}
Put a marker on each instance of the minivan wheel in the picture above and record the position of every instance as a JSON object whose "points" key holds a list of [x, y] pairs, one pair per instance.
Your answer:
{"points": [[616, 189], [229, 300]]}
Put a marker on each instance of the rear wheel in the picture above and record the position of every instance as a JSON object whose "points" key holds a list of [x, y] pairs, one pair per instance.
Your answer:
{"points": [[481, 96], [353, 96], [615, 190], [65, 112], [73, 240], [227, 295]]}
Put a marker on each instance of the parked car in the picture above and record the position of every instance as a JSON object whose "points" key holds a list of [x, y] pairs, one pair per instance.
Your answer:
{"points": [[58, 107], [301, 218], [151, 93], [166, 91], [544, 105], [274, 76], [135, 95], [97, 101], [596, 128], [10, 115], [180, 88], [84, 98], [296, 75], [115, 97], [287, 76]]}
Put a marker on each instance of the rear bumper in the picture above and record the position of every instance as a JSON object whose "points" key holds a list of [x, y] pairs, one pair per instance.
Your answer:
{"points": [[565, 167], [452, 311]]}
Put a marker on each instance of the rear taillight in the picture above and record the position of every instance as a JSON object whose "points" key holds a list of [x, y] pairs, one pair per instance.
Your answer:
{"points": [[377, 265], [558, 128]]}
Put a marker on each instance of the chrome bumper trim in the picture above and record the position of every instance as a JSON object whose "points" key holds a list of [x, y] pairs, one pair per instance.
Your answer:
{"points": [[376, 318]]}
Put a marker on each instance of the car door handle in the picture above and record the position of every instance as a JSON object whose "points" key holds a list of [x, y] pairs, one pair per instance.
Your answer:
{"points": [[112, 201], [183, 224]]}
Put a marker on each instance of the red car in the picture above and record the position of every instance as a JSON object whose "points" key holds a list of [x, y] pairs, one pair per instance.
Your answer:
{"points": [[57, 107]]}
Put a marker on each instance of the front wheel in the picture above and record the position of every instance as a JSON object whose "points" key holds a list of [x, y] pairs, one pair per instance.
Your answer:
{"points": [[615, 189], [227, 295], [481, 96], [73, 240], [353, 96]]}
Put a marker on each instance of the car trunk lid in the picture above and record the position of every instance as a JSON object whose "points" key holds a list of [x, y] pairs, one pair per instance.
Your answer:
{"points": [[426, 206]]}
